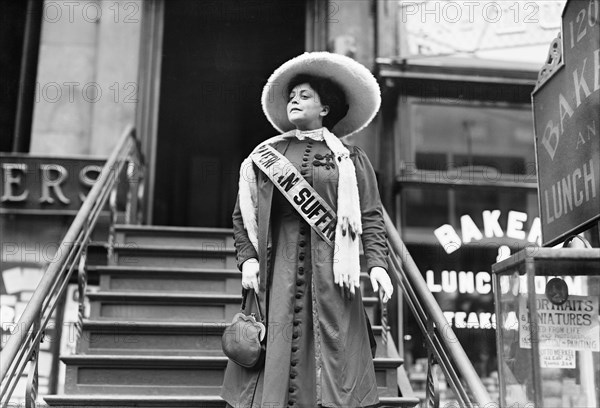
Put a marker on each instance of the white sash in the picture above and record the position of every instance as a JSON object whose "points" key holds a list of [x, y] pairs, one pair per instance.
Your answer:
{"points": [[301, 195]]}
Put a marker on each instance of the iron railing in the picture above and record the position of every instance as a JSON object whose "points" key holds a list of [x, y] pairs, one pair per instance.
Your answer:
{"points": [[443, 349], [23, 343]]}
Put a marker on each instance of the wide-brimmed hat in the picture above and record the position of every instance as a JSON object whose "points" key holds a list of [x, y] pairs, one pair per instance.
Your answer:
{"points": [[358, 83]]}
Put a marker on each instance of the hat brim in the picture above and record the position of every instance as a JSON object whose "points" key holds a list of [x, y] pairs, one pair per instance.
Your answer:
{"points": [[358, 83]]}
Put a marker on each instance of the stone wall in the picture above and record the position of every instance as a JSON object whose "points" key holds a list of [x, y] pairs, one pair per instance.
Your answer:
{"points": [[87, 76]]}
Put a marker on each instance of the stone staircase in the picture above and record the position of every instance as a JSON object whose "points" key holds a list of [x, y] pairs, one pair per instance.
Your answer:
{"points": [[153, 335]]}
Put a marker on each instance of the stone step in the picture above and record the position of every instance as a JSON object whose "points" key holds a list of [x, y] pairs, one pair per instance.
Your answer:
{"points": [[163, 338], [175, 257], [168, 375], [209, 239], [144, 401], [170, 279], [158, 306], [180, 307], [145, 375], [156, 235], [180, 256], [151, 338]]}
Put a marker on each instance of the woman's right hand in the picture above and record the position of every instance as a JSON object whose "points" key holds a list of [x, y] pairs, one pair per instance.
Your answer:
{"points": [[250, 277]]}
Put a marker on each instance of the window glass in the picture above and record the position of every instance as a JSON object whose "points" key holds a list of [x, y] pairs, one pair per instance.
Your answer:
{"points": [[453, 137], [426, 208]]}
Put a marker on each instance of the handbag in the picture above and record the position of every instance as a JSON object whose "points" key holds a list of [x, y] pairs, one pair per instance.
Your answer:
{"points": [[243, 341]]}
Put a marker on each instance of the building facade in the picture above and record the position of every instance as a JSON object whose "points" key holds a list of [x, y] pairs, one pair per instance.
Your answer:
{"points": [[452, 146]]}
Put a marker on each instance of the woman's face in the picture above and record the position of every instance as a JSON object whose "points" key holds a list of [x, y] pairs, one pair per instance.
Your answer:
{"points": [[304, 108]]}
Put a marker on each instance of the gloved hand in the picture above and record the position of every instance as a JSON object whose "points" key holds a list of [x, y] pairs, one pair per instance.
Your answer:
{"points": [[380, 278], [250, 278]]}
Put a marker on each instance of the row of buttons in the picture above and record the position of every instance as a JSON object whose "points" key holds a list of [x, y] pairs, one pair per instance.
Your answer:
{"points": [[299, 288], [300, 282], [304, 164]]}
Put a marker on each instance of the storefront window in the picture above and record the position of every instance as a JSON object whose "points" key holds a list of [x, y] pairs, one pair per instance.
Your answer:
{"points": [[488, 141], [466, 192], [502, 216]]}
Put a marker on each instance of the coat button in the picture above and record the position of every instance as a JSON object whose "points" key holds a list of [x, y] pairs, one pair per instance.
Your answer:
{"points": [[304, 165], [301, 269], [297, 309], [295, 336], [299, 282], [298, 295], [305, 159], [296, 322], [292, 374], [291, 389], [294, 363], [294, 349], [301, 244]]}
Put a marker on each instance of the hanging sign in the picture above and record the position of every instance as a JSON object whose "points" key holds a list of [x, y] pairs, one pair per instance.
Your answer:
{"points": [[566, 109]]}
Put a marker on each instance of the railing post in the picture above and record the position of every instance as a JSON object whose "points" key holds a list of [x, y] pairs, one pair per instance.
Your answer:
{"points": [[31, 390], [384, 319], [112, 203], [432, 392], [81, 289], [55, 346], [135, 179]]}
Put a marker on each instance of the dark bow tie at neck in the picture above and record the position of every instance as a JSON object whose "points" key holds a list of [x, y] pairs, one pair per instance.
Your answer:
{"points": [[316, 134]]}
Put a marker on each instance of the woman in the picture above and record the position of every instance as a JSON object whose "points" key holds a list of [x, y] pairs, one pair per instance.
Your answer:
{"points": [[305, 199]]}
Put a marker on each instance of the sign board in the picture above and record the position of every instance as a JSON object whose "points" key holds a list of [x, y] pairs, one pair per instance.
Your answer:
{"points": [[566, 109], [557, 358], [507, 31], [33, 184], [571, 326]]}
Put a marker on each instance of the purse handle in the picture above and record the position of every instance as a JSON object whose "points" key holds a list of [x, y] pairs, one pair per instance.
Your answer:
{"points": [[244, 296]]}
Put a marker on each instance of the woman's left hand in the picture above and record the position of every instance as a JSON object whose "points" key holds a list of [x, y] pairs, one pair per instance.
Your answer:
{"points": [[380, 278]]}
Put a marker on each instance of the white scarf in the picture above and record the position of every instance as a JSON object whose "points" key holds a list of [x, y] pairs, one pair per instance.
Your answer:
{"points": [[346, 263]]}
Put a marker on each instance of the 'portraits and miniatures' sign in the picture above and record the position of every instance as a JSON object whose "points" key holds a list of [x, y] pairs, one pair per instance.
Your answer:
{"points": [[566, 108]]}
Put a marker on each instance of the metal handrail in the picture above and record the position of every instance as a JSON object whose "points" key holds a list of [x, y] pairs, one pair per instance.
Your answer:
{"points": [[22, 346], [440, 339]]}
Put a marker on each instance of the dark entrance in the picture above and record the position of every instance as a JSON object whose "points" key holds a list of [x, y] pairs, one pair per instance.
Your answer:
{"points": [[217, 55], [20, 27]]}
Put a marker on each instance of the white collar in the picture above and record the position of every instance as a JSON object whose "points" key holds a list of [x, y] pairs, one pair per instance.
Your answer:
{"points": [[315, 134]]}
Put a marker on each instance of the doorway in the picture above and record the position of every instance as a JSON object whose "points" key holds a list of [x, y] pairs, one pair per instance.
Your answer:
{"points": [[217, 56]]}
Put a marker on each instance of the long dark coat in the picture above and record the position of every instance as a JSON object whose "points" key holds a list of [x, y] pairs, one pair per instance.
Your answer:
{"points": [[318, 350]]}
